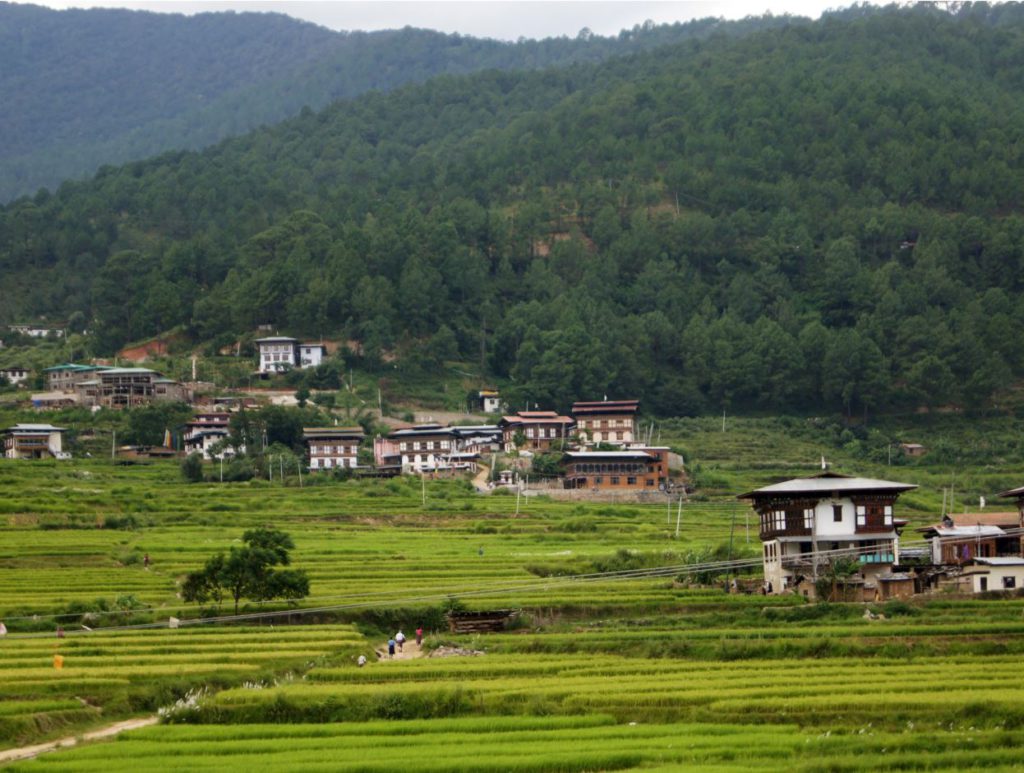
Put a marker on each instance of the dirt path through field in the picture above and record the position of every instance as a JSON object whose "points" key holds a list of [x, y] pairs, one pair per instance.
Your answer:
{"points": [[411, 650], [28, 752]]}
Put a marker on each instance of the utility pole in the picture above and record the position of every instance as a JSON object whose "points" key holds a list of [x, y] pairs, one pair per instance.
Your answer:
{"points": [[679, 516], [222, 467]]}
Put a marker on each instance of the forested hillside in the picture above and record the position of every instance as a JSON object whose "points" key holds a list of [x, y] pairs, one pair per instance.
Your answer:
{"points": [[819, 215], [83, 88]]}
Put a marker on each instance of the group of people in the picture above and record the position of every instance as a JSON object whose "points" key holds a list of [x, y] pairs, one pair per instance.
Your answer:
{"points": [[398, 641]]}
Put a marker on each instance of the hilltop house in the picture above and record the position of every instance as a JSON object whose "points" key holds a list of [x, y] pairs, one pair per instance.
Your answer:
{"points": [[281, 353], [539, 430], [333, 447], [605, 421], [14, 374], [638, 469], [37, 330], [34, 441], [802, 517], [486, 401], [961, 538]]}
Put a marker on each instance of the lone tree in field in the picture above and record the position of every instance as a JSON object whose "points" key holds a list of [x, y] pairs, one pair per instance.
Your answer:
{"points": [[248, 572]]}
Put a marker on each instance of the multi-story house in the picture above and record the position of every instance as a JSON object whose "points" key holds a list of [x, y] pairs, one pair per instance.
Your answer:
{"points": [[539, 430], [34, 441], [807, 522], [281, 353], [333, 447], [627, 470], [66, 376], [128, 387], [206, 434], [606, 421], [961, 537], [14, 374], [425, 447]]}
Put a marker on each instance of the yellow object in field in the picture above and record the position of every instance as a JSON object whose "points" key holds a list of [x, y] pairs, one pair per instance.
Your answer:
{"points": [[58, 662]]}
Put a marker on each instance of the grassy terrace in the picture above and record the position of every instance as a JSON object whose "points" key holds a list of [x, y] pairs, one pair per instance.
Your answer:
{"points": [[642, 673]]}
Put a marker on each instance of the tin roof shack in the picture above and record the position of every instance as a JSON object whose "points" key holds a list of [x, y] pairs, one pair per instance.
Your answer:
{"points": [[540, 430], [34, 441], [477, 440], [605, 421], [958, 539], [1000, 573], [896, 585], [802, 517], [634, 470], [332, 448]]}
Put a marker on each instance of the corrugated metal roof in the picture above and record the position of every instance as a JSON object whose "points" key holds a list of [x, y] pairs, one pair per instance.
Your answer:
{"points": [[827, 483], [1001, 561]]}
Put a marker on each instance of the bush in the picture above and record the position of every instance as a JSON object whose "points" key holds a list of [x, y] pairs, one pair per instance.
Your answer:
{"points": [[192, 468]]}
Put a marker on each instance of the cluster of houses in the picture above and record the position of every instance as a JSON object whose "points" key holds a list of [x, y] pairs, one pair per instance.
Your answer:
{"points": [[106, 386], [808, 524]]}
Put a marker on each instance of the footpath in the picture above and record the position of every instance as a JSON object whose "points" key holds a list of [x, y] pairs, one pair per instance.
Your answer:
{"points": [[28, 752]]}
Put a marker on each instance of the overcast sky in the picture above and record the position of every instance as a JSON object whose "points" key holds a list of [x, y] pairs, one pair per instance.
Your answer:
{"points": [[483, 18]]}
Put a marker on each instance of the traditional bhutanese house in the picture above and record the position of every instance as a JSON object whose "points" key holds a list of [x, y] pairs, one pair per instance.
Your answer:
{"points": [[425, 447], [34, 441], [960, 538], [605, 421], [281, 353], [37, 330], [478, 440], [332, 448], [66, 376], [541, 430], [14, 374], [827, 512], [632, 470], [485, 401], [998, 573], [204, 433]]}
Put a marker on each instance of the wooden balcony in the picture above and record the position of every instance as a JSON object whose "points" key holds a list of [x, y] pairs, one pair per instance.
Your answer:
{"points": [[792, 529]]}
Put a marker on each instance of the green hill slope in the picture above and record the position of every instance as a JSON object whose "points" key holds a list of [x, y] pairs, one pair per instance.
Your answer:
{"points": [[818, 215], [83, 88]]}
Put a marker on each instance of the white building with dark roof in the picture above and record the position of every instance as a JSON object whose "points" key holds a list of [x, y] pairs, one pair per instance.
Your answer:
{"points": [[281, 353], [806, 522], [34, 441]]}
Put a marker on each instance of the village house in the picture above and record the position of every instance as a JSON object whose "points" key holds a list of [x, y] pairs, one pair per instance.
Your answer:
{"points": [[281, 353], [996, 573], [639, 469], [960, 538], [129, 387], [605, 421], [34, 441], [14, 374], [484, 439], [206, 434], [37, 330], [538, 430], [333, 447], [425, 447], [485, 401], [843, 515]]}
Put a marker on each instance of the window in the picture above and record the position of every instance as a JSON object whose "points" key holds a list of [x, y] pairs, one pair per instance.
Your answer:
{"points": [[809, 518], [615, 480], [649, 482], [631, 481], [598, 480], [1009, 582], [837, 513]]}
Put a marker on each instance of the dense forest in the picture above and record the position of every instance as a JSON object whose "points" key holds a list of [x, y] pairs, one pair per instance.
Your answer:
{"points": [[83, 88], [817, 215]]}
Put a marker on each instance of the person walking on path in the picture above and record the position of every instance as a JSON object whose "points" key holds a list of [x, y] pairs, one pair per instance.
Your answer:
{"points": [[400, 640], [419, 636], [391, 648]]}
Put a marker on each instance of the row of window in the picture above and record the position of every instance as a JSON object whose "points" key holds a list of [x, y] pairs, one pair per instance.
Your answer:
{"points": [[609, 467], [426, 445], [610, 423], [315, 464], [776, 520], [332, 449], [616, 480], [542, 433]]}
